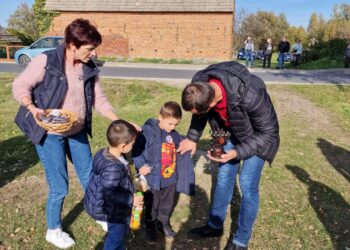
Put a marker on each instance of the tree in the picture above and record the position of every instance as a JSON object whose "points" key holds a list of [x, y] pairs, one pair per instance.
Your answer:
{"points": [[339, 24], [317, 27], [296, 33], [263, 25], [23, 21], [43, 17], [239, 33]]}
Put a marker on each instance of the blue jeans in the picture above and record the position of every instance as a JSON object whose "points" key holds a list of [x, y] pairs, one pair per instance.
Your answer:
{"points": [[249, 56], [115, 236], [249, 178], [281, 60], [52, 154]]}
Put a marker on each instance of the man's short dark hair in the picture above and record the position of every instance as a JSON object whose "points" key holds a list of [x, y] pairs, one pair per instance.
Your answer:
{"points": [[120, 132], [171, 109], [198, 96]]}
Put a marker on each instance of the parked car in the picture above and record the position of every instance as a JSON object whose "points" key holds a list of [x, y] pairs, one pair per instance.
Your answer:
{"points": [[256, 54], [288, 57], [24, 55]]}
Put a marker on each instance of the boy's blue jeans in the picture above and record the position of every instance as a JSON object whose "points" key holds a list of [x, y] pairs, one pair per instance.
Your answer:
{"points": [[249, 178], [52, 154], [115, 236]]}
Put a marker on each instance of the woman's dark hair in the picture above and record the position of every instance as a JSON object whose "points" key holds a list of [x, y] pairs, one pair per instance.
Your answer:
{"points": [[198, 96], [120, 132], [82, 32], [171, 109]]}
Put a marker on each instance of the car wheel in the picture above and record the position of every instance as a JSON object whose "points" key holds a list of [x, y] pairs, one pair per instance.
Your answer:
{"points": [[24, 60]]}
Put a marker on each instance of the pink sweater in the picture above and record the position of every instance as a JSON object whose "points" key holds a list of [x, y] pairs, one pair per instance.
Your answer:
{"points": [[74, 99]]}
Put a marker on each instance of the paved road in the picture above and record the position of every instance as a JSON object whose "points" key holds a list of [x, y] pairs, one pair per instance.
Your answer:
{"points": [[183, 73]]}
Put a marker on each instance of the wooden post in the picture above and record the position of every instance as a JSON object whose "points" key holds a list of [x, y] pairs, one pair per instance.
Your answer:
{"points": [[8, 53]]}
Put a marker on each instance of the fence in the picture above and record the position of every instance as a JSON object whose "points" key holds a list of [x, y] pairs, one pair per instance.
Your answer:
{"points": [[7, 52]]}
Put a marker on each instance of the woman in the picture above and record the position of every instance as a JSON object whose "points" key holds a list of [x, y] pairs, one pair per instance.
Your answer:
{"points": [[64, 78]]}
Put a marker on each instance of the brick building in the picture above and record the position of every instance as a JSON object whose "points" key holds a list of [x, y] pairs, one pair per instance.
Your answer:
{"points": [[168, 29]]}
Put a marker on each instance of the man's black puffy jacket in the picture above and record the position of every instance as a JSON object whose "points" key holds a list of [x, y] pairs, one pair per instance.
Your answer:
{"points": [[253, 120]]}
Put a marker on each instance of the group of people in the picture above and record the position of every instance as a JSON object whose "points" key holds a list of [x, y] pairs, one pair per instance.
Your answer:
{"points": [[225, 95], [283, 49]]}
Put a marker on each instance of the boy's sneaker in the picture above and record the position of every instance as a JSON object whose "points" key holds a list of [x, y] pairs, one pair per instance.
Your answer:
{"points": [[166, 230], [103, 224], [59, 238], [151, 236]]}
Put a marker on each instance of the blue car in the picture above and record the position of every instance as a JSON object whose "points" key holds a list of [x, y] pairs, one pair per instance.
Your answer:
{"points": [[24, 55], [257, 55]]}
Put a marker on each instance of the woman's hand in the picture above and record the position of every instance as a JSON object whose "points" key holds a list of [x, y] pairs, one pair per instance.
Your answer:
{"points": [[138, 201], [34, 110], [145, 170], [230, 155]]}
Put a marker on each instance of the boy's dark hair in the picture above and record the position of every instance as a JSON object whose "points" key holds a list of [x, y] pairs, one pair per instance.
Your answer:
{"points": [[198, 96], [82, 32], [119, 132], [171, 109]]}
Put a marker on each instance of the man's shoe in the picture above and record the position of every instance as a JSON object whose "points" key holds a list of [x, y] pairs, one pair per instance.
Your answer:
{"points": [[205, 232], [166, 229], [59, 238], [233, 246]]}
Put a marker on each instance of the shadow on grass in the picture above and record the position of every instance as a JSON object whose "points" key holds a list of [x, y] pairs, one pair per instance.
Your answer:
{"points": [[331, 208], [337, 156], [17, 155], [199, 206], [72, 216]]}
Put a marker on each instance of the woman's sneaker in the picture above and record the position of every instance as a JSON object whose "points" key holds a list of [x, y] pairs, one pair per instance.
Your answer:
{"points": [[59, 238]]}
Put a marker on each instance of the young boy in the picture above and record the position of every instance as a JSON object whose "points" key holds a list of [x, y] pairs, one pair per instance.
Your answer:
{"points": [[110, 196], [154, 155]]}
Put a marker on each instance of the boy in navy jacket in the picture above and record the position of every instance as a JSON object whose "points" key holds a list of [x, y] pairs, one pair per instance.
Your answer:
{"points": [[154, 155], [110, 196]]}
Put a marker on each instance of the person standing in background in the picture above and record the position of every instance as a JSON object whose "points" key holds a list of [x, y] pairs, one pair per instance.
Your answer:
{"points": [[249, 49], [297, 49], [283, 48], [268, 49], [347, 56]]}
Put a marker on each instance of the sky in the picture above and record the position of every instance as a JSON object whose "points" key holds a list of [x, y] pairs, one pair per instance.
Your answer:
{"points": [[297, 12]]}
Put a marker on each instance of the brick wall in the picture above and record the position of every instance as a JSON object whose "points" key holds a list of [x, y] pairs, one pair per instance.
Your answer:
{"points": [[205, 36]]}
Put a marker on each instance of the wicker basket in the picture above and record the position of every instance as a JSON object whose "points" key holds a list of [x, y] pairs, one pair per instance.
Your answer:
{"points": [[62, 127]]}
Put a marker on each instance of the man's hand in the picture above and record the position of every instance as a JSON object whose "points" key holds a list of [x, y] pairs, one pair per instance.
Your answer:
{"points": [[187, 145], [230, 155], [145, 170]]}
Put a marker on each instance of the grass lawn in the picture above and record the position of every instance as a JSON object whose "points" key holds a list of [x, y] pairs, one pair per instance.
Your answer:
{"points": [[304, 196]]}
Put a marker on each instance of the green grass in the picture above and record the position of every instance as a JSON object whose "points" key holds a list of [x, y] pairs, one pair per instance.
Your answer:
{"points": [[304, 197]]}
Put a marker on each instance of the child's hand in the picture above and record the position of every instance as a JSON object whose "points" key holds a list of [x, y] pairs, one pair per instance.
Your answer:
{"points": [[138, 201], [145, 170]]}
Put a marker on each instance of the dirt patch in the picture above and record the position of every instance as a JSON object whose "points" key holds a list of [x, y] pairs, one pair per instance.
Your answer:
{"points": [[288, 103]]}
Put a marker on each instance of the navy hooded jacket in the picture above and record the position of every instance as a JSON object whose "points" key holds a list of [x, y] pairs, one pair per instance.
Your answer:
{"points": [[147, 150]]}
